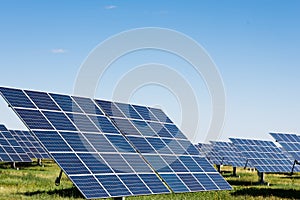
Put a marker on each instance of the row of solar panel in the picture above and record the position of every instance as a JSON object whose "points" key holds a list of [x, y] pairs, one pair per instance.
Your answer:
{"points": [[265, 156], [75, 121], [19, 146], [290, 143], [97, 143]]}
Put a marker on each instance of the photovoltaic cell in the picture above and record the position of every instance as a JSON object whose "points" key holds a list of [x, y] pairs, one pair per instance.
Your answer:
{"points": [[228, 154], [29, 144], [10, 149]]}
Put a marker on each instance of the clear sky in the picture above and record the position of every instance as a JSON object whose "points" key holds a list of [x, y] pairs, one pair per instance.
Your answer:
{"points": [[255, 45]]}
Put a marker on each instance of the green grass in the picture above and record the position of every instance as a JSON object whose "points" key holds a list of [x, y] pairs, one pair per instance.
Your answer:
{"points": [[36, 182]]}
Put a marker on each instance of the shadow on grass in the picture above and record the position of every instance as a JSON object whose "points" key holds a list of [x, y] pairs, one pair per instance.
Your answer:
{"points": [[291, 177], [69, 192], [241, 183], [267, 192]]}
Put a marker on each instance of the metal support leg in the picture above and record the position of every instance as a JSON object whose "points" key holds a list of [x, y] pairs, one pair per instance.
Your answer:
{"points": [[57, 181], [234, 171], [295, 162], [40, 162], [119, 198], [13, 165], [261, 176], [246, 164]]}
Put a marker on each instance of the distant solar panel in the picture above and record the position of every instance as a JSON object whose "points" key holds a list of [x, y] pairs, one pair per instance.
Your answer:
{"points": [[10, 149], [229, 154], [29, 144], [204, 148], [290, 143], [265, 156], [208, 151], [164, 146], [102, 155]]}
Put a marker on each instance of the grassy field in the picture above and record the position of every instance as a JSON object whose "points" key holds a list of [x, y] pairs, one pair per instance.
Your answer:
{"points": [[36, 182]]}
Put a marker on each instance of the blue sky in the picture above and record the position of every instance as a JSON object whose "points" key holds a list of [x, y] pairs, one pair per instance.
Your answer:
{"points": [[255, 45]]}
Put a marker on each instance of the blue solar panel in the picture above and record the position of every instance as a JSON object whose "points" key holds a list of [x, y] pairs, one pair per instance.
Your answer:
{"points": [[126, 127], [104, 124], [175, 183], [10, 149], [16, 98], [42, 100], [29, 144], [290, 143], [59, 121], [89, 186], [101, 142], [52, 141], [206, 182], [95, 163], [218, 180], [134, 184], [153, 183], [144, 128], [265, 156], [160, 115], [227, 154], [145, 113], [128, 111], [160, 130], [66, 103], [109, 108], [77, 141], [191, 182], [113, 185], [83, 123], [161, 143], [88, 106], [34, 119]]}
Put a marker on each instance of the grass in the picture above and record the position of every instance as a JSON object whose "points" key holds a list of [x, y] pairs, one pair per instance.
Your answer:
{"points": [[36, 182]]}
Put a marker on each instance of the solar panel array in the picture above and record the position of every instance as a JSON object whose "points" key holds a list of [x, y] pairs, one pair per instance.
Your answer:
{"points": [[229, 154], [208, 151], [10, 149], [265, 156], [290, 143], [29, 144], [164, 146], [101, 152]]}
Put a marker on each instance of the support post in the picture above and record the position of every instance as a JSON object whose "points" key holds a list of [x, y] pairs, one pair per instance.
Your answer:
{"points": [[295, 162], [119, 198], [234, 171], [13, 165], [219, 168], [246, 164], [57, 181], [261, 179], [39, 161]]}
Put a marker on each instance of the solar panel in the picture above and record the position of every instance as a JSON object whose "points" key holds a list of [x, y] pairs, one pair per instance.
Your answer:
{"points": [[265, 156], [208, 151], [164, 146], [10, 149], [85, 144], [29, 144], [102, 154], [290, 143], [229, 154]]}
